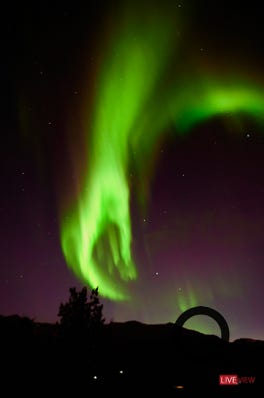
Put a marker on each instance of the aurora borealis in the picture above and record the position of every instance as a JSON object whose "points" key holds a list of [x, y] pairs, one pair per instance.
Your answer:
{"points": [[96, 237], [126, 84], [155, 160]]}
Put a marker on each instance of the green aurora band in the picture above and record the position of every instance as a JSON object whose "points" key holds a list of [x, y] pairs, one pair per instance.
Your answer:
{"points": [[132, 110]]}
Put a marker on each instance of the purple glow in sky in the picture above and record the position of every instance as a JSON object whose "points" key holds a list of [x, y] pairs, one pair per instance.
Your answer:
{"points": [[202, 235]]}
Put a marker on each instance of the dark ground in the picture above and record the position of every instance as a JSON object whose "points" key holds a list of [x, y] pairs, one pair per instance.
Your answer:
{"points": [[127, 359]]}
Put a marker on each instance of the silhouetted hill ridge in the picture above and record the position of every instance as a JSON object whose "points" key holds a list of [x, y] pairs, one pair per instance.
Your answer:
{"points": [[127, 330]]}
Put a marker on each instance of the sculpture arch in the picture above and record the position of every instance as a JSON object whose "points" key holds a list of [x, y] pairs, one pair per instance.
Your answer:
{"points": [[201, 310]]}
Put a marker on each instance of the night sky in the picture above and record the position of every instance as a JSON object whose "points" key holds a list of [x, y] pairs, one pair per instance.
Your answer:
{"points": [[197, 213]]}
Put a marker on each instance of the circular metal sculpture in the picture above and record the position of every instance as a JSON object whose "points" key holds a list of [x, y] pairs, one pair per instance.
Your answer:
{"points": [[200, 310]]}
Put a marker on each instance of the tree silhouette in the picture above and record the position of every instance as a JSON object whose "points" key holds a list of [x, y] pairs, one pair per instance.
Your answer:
{"points": [[96, 309], [79, 318]]}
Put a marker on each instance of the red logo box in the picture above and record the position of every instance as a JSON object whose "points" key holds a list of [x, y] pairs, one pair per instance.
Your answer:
{"points": [[228, 380]]}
